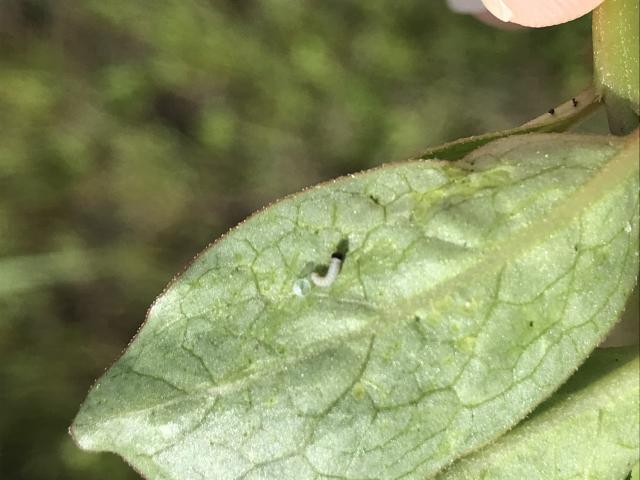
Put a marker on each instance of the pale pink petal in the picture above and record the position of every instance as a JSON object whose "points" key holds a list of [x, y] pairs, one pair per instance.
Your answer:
{"points": [[539, 13], [478, 10]]}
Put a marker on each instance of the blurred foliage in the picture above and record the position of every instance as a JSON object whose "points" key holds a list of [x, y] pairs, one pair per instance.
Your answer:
{"points": [[132, 132]]}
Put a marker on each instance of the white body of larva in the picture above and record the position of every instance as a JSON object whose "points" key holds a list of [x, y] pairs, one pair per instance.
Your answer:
{"points": [[332, 273]]}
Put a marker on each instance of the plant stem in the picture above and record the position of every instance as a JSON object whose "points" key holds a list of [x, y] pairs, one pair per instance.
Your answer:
{"points": [[615, 55]]}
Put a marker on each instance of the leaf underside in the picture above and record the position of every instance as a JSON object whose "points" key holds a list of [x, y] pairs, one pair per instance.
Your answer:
{"points": [[557, 119], [469, 292]]}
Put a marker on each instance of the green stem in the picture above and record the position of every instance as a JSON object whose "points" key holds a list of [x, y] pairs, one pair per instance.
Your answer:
{"points": [[615, 55]]}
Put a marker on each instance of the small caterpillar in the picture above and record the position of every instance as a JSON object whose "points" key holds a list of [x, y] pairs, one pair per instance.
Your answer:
{"points": [[332, 272]]}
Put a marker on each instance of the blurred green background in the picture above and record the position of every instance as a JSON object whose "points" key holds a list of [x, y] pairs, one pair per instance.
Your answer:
{"points": [[134, 132]]}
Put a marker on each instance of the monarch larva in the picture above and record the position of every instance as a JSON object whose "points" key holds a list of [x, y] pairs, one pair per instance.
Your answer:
{"points": [[332, 272]]}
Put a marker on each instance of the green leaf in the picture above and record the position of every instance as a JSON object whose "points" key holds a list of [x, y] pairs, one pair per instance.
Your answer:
{"points": [[635, 472], [557, 119], [468, 289], [589, 429]]}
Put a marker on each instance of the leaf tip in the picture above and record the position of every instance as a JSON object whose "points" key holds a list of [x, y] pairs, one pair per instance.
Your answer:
{"points": [[81, 435]]}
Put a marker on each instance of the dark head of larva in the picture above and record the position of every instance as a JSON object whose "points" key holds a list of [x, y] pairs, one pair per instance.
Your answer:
{"points": [[552, 111], [575, 102], [341, 250]]}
